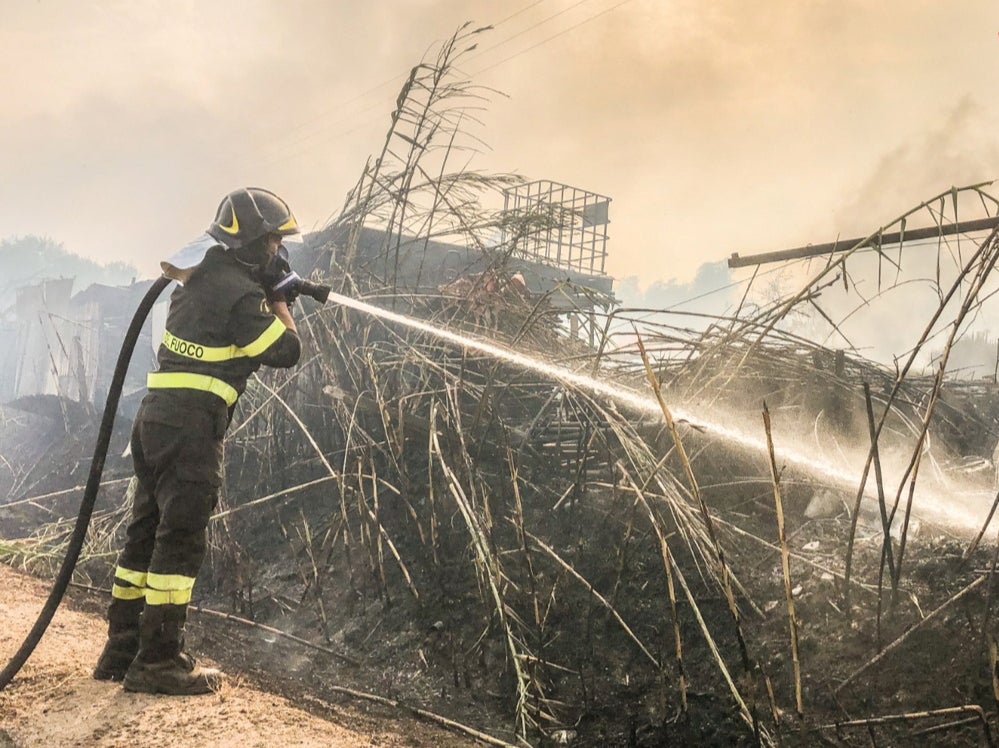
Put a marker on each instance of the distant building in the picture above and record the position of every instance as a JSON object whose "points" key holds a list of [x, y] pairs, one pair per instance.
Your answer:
{"points": [[54, 343]]}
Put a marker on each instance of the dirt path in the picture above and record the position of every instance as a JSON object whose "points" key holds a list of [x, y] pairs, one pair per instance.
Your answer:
{"points": [[54, 702]]}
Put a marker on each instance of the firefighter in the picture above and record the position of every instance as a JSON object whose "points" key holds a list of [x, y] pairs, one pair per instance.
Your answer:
{"points": [[229, 317]]}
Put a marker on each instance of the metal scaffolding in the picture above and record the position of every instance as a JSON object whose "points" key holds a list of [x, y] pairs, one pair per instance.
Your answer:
{"points": [[573, 237]]}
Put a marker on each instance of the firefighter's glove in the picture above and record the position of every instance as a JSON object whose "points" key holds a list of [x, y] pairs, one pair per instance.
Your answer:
{"points": [[280, 282], [285, 288]]}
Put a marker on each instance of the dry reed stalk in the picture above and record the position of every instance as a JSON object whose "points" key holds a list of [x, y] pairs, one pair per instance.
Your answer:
{"points": [[981, 532], [376, 523], [519, 525], [342, 489], [347, 540], [539, 662], [946, 727], [904, 637], [271, 496], [994, 670], [316, 580], [364, 527], [430, 111], [431, 493], [596, 595], [384, 536], [887, 551], [392, 440], [57, 494], [478, 735], [622, 553], [785, 564], [488, 566], [670, 589], [902, 373], [709, 525], [987, 635], [988, 251], [763, 737], [869, 722]]}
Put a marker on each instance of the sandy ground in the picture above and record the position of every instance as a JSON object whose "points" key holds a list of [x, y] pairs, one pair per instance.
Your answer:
{"points": [[53, 701]]}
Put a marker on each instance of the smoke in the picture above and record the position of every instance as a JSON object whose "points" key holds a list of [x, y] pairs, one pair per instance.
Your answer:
{"points": [[715, 127], [959, 150], [709, 293], [726, 127]]}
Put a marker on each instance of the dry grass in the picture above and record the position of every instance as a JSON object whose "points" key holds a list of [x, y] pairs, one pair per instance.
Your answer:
{"points": [[427, 468]]}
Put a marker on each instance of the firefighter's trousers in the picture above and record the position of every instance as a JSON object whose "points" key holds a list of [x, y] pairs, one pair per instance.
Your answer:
{"points": [[177, 455]]}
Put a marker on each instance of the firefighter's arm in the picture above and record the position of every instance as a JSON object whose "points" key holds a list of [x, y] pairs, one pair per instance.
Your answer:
{"points": [[266, 331], [281, 310], [288, 348]]}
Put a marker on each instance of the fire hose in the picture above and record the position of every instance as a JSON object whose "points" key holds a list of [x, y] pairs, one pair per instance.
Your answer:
{"points": [[90, 491], [62, 580]]}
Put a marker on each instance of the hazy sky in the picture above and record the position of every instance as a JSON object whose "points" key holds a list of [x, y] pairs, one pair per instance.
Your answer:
{"points": [[716, 126]]}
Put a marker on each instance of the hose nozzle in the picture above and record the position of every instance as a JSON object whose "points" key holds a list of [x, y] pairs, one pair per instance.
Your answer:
{"points": [[317, 291]]}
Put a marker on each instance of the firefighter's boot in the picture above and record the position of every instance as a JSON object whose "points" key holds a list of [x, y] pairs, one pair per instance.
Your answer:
{"points": [[123, 639], [162, 666]]}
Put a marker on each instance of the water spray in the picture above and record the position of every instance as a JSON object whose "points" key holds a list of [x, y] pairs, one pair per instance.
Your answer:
{"points": [[944, 510], [620, 393]]}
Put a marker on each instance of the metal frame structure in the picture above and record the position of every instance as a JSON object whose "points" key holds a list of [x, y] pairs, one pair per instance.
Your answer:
{"points": [[575, 237]]}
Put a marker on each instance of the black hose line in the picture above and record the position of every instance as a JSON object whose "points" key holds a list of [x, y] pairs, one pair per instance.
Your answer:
{"points": [[93, 484]]}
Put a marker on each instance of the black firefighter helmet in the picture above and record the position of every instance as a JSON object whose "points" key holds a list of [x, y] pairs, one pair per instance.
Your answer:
{"points": [[250, 213]]}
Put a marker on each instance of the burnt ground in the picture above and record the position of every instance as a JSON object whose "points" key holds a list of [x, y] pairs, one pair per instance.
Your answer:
{"points": [[54, 701], [441, 653]]}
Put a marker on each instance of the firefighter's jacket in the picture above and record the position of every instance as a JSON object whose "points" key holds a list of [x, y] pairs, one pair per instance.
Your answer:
{"points": [[219, 331]]}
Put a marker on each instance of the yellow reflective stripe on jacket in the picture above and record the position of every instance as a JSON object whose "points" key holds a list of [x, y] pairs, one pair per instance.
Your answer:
{"points": [[266, 339], [214, 354], [189, 381], [201, 352], [137, 578], [127, 593], [169, 589]]}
